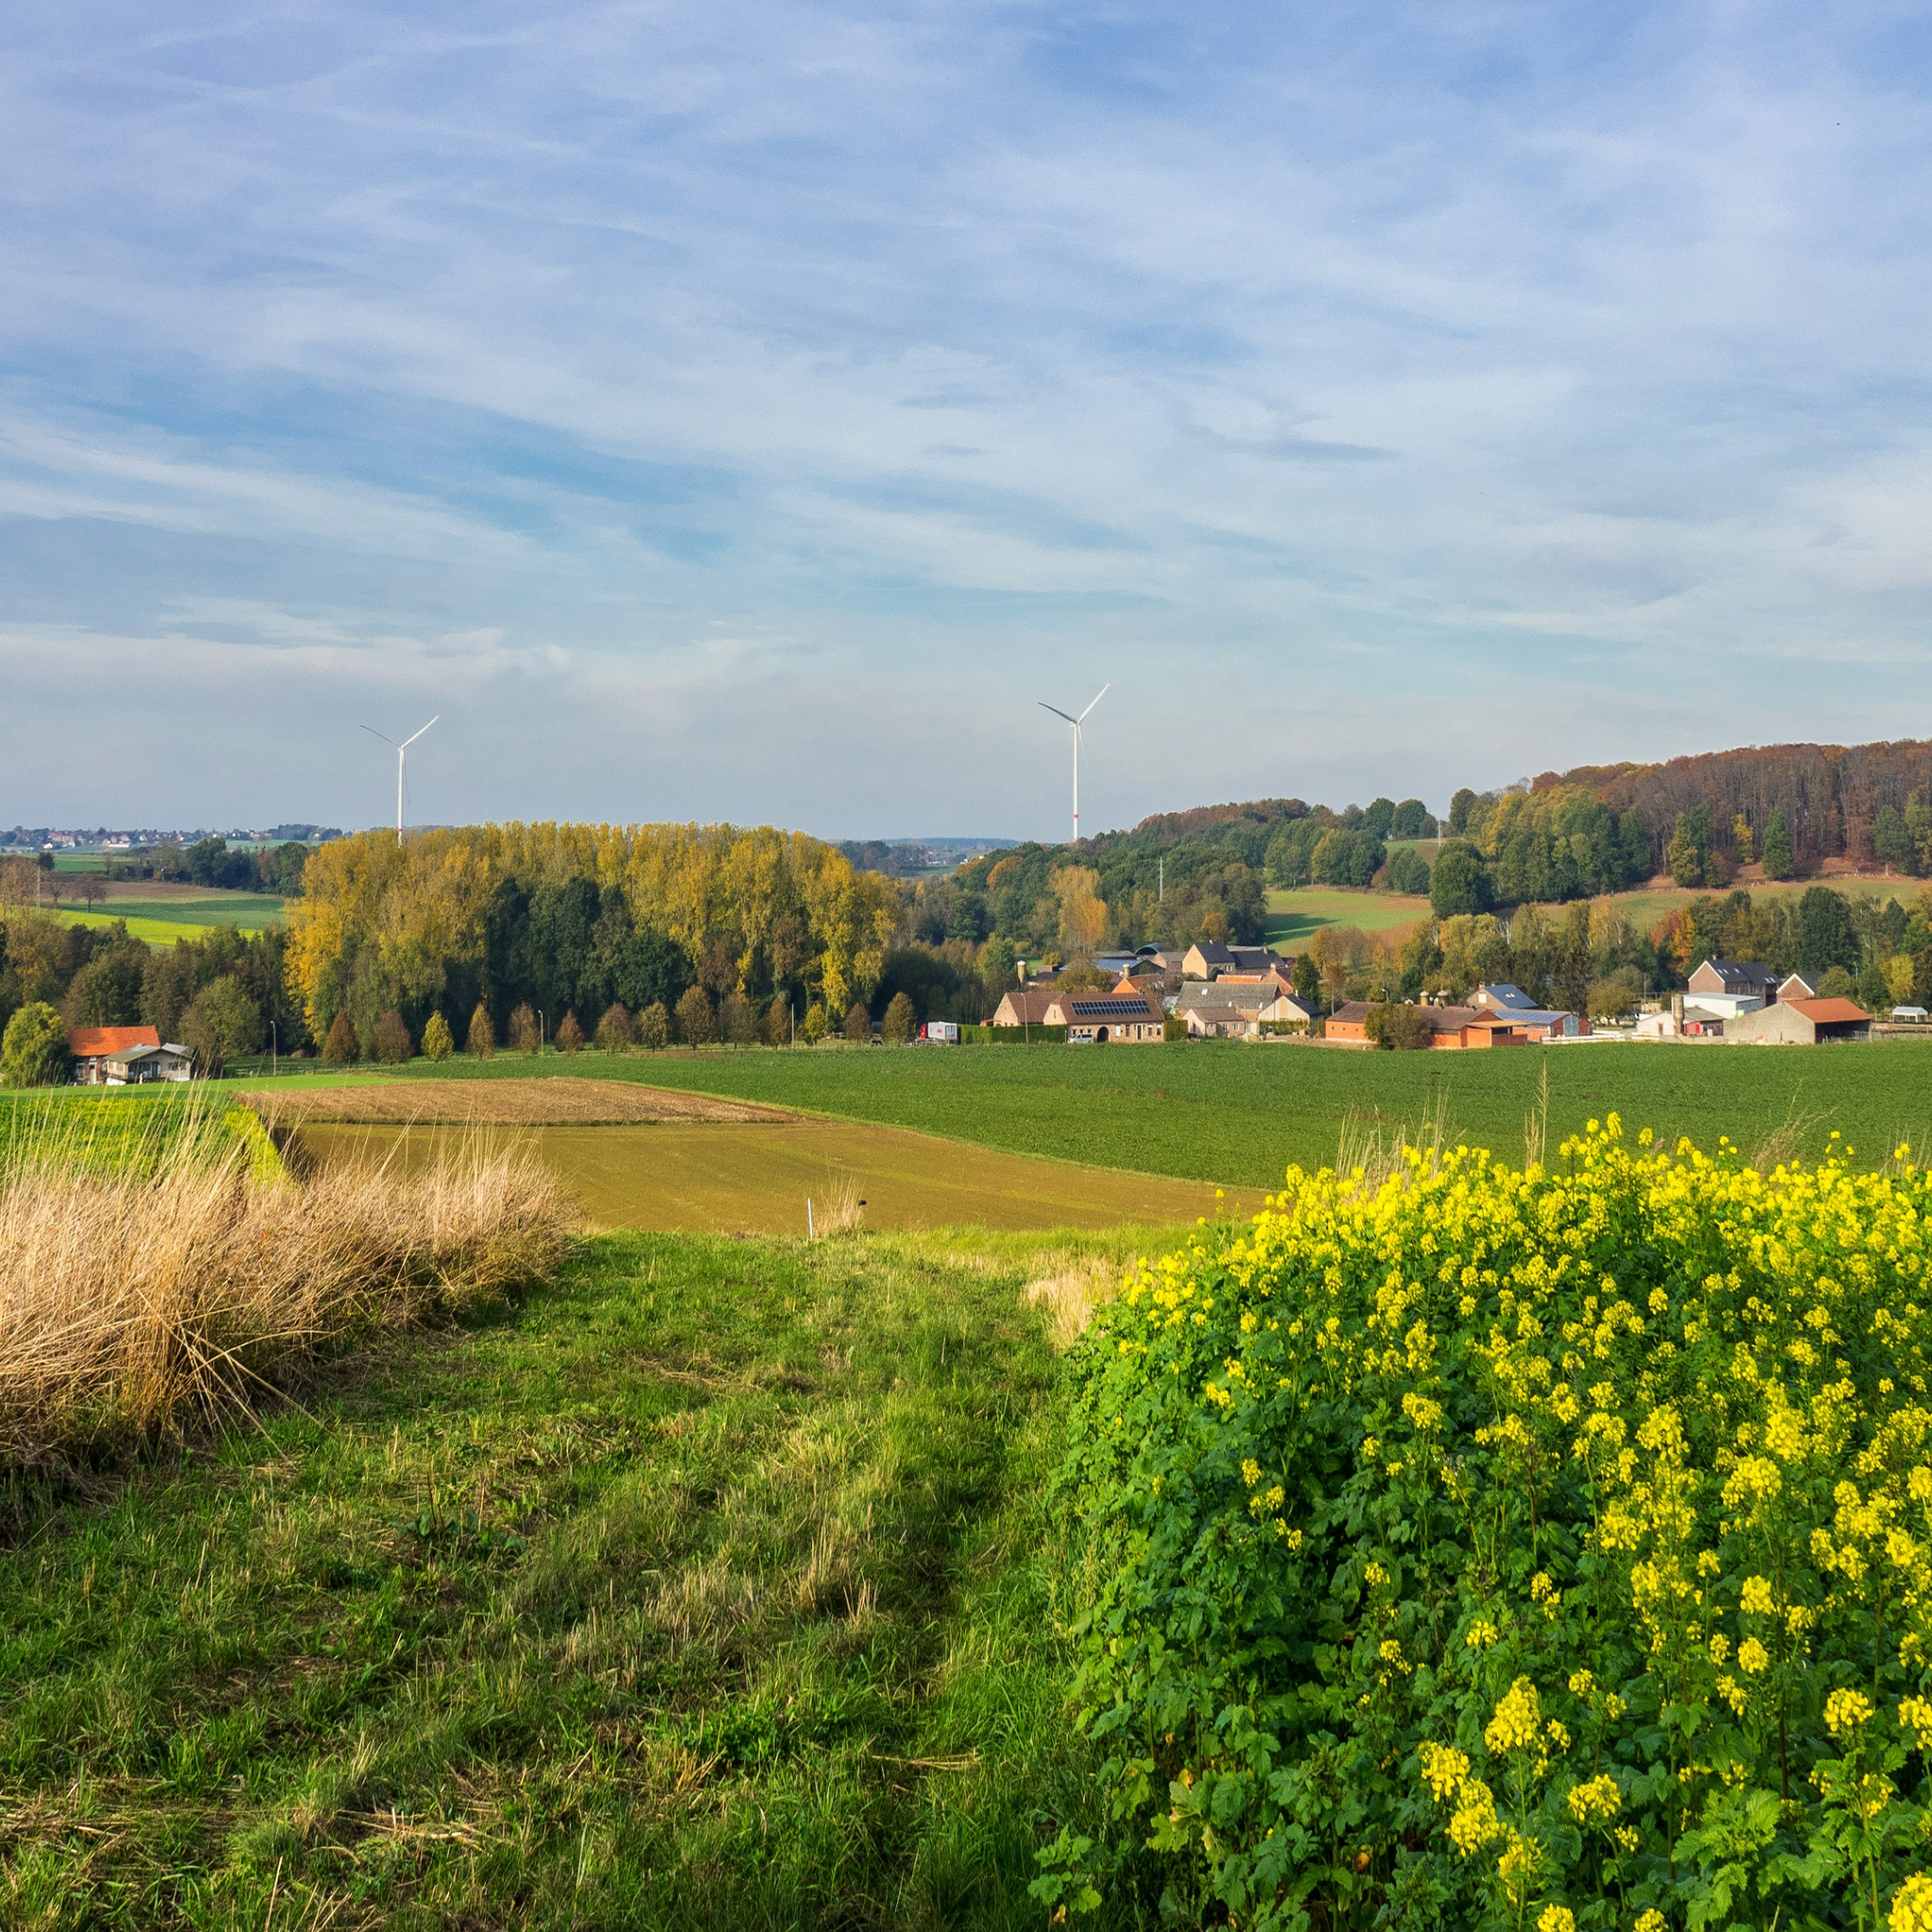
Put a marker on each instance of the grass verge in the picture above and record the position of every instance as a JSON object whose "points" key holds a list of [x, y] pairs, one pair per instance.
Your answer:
{"points": [[704, 1589]]}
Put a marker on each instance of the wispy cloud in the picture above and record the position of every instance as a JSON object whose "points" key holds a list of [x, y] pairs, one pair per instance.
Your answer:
{"points": [[742, 408]]}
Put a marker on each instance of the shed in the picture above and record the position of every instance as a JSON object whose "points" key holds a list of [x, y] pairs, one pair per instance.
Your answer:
{"points": [[1800, 1023]]}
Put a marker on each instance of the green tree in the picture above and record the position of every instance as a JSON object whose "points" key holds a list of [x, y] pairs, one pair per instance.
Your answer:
{"points": [[482, 1040], [222, 1024], [1460, 882], [1777, 847], [438, 1042], [697, 1026], [1828, 936], [34, 1049], [997, 958], [654, 1025], [1684, 856], [107, 991], [341, 1048], [1399, 1025], [1408, 872], [1306, 977], [901, 1018], [738, 1019], [1461, 809], [857, 1022], [1890, 840], [814, 1024], [616, 1030]]}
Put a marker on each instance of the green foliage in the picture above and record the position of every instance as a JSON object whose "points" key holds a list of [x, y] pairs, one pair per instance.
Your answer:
{"points": [[1776, 847], [1398, 1025], [1347, 858], [1408, 872], [1826, 933], [858, 1024], [1460, 882], [654, 1025], [33, 1052], [813, 1025], [1505, 1549], [438, 1042], [222, 1024], [900, 1019], [616, 1030]]}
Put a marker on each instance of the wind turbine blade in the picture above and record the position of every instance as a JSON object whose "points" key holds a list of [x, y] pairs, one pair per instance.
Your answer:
{"points": [[1056, 711], [384, 736], [415, 735], [1104, 689]]}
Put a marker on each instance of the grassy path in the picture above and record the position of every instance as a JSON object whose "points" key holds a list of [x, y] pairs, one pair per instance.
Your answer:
{"points": [[702, 1590]]}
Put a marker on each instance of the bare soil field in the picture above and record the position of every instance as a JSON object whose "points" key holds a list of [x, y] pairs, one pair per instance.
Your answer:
{"points": [[565, 1100]]}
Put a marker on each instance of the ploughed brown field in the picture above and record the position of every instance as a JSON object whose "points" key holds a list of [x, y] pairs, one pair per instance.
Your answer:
{"points": [[560, 1102]]}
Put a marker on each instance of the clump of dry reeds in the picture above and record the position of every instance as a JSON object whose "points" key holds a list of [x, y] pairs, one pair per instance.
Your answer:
{"points": [[142, 1295], [839, 1209], [1068, 1298]]}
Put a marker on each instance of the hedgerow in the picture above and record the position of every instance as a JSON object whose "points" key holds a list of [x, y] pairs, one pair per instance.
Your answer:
{"points": [[1516, 1548]]}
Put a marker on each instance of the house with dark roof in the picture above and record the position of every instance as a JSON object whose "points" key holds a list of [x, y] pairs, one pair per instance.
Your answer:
{"points": [[1210, 960], [1536, 1022]]}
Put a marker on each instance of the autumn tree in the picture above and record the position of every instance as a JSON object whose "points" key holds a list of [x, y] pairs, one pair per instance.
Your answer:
{"points": [[524, 1035], [616, 1030], [341, 1048], [778, 1023], [697, 1024], [438, 1042], [654, 1025], [900, 1021], [33, 1052], [570, 1035], [857, 1022], [1083, 911], [739, 1019], [391, 1042], [482, 1041]]}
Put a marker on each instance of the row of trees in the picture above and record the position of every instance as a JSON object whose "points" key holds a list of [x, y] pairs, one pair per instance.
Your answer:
{"points": [[576, 919]]}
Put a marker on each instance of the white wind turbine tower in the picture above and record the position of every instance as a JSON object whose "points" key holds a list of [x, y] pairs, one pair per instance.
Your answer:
{"points": [[1076, 723], [402, 751]]}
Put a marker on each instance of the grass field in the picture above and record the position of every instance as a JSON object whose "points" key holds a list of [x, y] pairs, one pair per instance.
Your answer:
{"points": [[747, 1179], [1239, 1114], [706, 1589], [1295, 917]]}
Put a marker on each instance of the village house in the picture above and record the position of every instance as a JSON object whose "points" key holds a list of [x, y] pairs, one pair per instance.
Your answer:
{"points": [[1092, 1015], [1208, 1022], [1800, 1023], [124, 1056], [1794, 985], [1210, 960]]}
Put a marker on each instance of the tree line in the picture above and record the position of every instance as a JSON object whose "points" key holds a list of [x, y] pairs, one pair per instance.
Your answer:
{"points": [[584, 932]]}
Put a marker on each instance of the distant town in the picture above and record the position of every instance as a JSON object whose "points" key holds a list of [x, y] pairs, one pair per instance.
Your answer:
{"points": [[136, 838]]}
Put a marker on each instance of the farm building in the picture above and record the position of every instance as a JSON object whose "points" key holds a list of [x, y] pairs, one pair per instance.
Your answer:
{"points": [[1800, 1023], [1537, 1023], [1026, 1007], [1794, 985], [1724, 988], [1452, 1027], [1206, 1020]]}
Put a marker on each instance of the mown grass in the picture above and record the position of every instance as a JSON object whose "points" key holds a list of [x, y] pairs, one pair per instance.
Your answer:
{"points": [[1239, 1114], [705, 1590], [1295, 917]]}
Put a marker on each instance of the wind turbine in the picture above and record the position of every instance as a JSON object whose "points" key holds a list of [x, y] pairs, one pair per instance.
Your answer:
{"points": [[402, 751], [1076, 723]]}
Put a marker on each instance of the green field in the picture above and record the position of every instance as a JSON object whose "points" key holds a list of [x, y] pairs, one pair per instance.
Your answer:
{"points": [[160, 920], [705, 1590], [1295, 917], [1239, 1114]]}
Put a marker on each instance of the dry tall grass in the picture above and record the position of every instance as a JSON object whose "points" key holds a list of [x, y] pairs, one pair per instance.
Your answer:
{"points": [[1067, 1299], [140, 1295]]}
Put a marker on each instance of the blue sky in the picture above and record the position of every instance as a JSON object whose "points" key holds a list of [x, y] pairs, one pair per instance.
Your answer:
{"points": [[750, 411]]}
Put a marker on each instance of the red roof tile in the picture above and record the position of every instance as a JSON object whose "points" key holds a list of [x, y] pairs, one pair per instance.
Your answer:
{"points": [[90, 1043], [1828, 1012]]}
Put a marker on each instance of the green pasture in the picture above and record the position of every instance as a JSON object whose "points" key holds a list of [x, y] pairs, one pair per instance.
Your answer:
{"points": [[1239, 1114], [710, 1586], [1295, 917]]}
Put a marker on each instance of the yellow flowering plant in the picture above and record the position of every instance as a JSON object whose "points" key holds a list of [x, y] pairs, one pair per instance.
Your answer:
{"points": [[1501, 1548]]}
